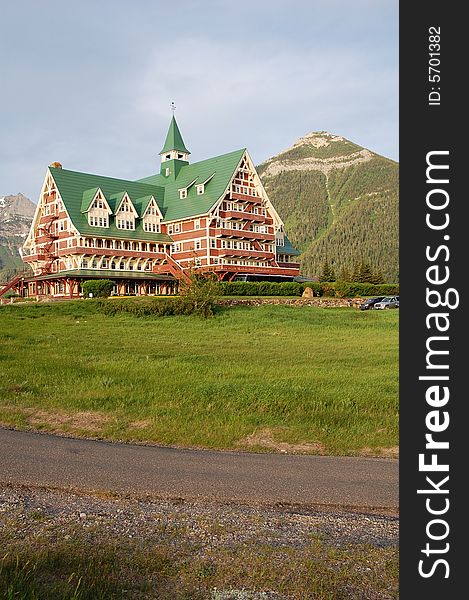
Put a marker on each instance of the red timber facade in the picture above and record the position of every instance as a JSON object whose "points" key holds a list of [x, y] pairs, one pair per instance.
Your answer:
{"points": [[145, 235]]}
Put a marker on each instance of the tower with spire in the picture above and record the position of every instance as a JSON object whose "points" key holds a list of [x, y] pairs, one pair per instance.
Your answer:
{"points": [[174, 153]]}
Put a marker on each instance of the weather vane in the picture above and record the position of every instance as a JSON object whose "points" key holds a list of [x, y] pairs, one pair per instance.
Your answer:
{"points": [[173, 107]]}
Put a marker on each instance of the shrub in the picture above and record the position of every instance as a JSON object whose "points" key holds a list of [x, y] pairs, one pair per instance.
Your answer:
{"points": [[197, 297], [99, 288]]}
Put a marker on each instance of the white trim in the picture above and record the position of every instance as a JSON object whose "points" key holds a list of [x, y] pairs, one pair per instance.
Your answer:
{"points": [[153, 199], [208, 178], [126, 197]]}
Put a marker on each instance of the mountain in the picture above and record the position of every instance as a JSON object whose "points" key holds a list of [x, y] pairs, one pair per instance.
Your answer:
{"points": [[339, 202], [16, 215]]}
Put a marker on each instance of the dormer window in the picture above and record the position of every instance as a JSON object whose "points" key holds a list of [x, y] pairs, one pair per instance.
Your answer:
{"points": [[200, 189], [183, 193], [99, 211], [152, 218], [126, 214]]}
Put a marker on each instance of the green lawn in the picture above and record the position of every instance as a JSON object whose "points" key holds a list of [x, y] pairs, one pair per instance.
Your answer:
{"points": [[269, 377]]}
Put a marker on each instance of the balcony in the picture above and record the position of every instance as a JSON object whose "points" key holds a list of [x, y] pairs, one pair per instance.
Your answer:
{"points": [[246, 198], [242, 233], [245, 216], [240, 269], [34, 257], [292, 265], [262, 254]]}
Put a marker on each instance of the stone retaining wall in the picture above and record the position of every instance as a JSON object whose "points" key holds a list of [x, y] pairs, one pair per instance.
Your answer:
{"points": [[323, 302]]}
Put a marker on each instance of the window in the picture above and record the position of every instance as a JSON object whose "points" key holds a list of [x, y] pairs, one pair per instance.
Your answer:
{"points": [[125, 224], [198, 244], [177, 247], [170, 229], [213, 243], [177, 227], [167, 171], [152, 227], [180, 156], [183, 193], [200, 189], [197, 224]]}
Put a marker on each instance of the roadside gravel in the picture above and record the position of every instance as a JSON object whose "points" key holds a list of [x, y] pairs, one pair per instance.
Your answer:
{"points": [[40, 509]]}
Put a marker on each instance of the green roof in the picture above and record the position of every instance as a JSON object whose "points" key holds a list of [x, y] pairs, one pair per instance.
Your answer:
{"points": [[221, 167], [174, 139], [76, 189], [287, 248], [87, 199]]}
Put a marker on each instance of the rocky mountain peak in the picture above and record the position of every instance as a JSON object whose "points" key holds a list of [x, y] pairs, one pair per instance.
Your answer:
{"points": [[318, 139], [16, 206]]}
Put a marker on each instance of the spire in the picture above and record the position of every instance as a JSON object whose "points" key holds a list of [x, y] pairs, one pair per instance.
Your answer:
{"points": [[174, 141]]}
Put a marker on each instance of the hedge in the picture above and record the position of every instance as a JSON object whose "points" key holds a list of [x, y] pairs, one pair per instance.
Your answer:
{"points": [[337, 289]]}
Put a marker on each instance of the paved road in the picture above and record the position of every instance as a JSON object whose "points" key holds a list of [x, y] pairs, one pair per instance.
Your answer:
{"points": [[46, 460]]}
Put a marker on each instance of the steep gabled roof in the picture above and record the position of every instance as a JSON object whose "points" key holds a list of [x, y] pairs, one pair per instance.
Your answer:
{"points": [[78, 189], [73, 185], [221, 168], [141, 204], [87, 198], [174, 139]]}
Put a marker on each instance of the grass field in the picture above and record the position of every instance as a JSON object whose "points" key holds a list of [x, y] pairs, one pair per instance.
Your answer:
{"points": [[275, 378]]}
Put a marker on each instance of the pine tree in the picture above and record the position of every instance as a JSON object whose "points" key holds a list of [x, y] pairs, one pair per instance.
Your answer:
{"points": [[356, 273], [345, 274], [366, 273], [327, 273], [377, 277]]}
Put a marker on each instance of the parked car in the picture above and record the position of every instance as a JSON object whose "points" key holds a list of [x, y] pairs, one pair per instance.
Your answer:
{"points": [[388, 302], [370, 303]]}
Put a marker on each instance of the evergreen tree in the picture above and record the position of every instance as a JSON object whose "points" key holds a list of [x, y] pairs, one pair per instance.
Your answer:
{"points": [[366, 273], [327, 273], [377, 277], [356, 274], [345, 274]]}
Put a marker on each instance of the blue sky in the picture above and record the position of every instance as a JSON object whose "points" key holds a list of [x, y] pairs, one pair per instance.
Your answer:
{"points": [[89, 84]]}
